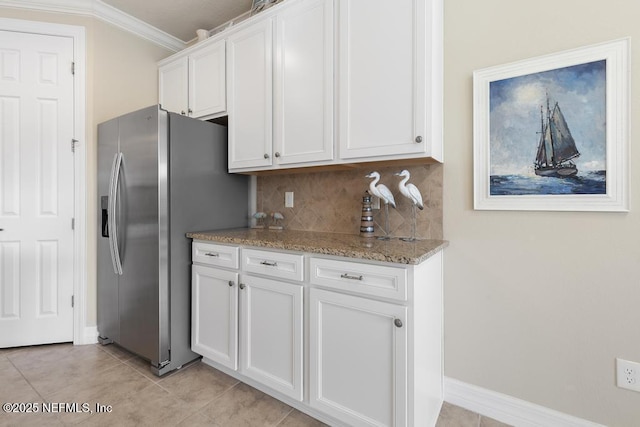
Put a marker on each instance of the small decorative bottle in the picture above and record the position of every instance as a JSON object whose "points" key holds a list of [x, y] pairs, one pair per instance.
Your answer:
{"points": [[366, 221]]}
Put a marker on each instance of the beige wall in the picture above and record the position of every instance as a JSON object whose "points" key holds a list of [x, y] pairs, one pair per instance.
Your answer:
{"points": [[121, 77], [537, 304]]}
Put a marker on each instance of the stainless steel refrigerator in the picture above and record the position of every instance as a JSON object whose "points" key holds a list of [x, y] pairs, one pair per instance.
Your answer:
{"points": [[160, 175]]}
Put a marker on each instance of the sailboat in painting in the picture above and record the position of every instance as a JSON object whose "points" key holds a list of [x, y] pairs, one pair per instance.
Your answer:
{"points": [[556, 147]]}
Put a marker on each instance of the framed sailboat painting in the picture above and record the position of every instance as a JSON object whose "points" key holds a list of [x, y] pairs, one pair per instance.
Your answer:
{"points": [[552, 133]]}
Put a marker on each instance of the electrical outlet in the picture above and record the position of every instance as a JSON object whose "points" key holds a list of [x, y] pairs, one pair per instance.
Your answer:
{"points": [[288, 199], [628, 374]]}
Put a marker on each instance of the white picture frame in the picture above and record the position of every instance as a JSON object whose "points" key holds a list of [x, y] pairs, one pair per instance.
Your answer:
{"points": [[593, 82]]}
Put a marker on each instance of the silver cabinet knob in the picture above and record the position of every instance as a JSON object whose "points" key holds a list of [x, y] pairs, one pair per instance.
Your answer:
{"points": [[398, 323], [241, 285], [277, 154], [266, 156], [230, 283], [418, 139]]}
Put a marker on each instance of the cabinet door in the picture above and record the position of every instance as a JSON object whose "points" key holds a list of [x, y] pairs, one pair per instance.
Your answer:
{"points": [[271, 330], [207, 80], [304, 83], [173, 83], [358, 358], [249, 101], [214, 314], [382, 77]]}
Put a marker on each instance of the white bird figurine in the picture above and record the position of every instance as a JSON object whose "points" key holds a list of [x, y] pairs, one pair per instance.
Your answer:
{"points": [[277, 216], [259, 216], [380, 191], [383, 193], [410, 191]]}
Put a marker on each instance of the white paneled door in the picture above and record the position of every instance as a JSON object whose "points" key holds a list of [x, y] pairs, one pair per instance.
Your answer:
{"points": [[36, 189]]}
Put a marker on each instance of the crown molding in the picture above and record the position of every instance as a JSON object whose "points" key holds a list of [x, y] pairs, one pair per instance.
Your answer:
{"points": [[104, 12]]}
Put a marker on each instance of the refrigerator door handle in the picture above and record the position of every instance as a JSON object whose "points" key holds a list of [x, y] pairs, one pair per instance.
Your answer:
{"points": [[113, 227], [110, 212]]}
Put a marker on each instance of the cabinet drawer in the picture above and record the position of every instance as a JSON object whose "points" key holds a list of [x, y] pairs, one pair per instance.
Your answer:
{"points": [[366, 279], [212, 254], [274, 264]]}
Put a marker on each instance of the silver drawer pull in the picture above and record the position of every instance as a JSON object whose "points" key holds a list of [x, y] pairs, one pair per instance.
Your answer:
{"points": [[351, 277], [212, 254], [269, 264]]}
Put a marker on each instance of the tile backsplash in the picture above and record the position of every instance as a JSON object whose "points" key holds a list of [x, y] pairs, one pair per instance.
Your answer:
{"points": [[332, 201]]}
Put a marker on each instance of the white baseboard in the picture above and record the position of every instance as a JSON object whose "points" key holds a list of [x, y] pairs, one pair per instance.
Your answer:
{"points": [[507, 409], [89, 336]]}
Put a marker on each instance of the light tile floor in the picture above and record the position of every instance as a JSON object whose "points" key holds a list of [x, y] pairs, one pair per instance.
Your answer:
{"points": [[196, 395]]}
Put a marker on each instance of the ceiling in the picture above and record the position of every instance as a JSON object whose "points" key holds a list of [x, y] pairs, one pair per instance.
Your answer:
{"points": [[181, 18]]}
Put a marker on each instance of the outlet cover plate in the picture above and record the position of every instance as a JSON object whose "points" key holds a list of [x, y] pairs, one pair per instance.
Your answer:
{"points": [[628, 374], [288, 199]]}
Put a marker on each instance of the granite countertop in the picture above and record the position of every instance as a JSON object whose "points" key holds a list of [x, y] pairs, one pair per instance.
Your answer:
{"points": [[346, 245]]}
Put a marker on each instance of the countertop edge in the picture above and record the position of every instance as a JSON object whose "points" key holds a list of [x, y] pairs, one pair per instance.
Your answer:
{"points": [[267, 240]]}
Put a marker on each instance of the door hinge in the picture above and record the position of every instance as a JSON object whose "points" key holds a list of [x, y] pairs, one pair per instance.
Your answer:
{"points": [[73, 68], [72, 301], [73, 223], [73, 145]]}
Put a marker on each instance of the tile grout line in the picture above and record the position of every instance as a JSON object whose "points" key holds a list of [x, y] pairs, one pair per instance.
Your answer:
{"points": [[28, 382], [285, 417], [199, 410], [57, 416]]}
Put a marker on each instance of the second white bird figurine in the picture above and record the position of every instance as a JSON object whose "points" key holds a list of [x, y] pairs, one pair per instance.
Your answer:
{"points": [[410, 191]]}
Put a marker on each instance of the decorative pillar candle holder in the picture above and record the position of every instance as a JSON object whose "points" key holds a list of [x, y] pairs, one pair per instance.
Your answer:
{"points": [[366, 220]]}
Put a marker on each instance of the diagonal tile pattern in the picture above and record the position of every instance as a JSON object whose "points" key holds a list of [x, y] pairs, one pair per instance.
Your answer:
{"points": [[196, 395], [332, 201]]}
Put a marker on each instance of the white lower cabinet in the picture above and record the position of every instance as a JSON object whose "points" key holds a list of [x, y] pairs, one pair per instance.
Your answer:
{"points": [[214, 314], [271, 331], [350, 342], [358, 354]]}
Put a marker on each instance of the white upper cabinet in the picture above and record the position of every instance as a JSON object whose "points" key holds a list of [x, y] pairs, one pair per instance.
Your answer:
{"points": [[207, 81], [281, 106], [173, 80], [319, 82], [195, 85], [390, 79], [303, 91], [250, 89]]}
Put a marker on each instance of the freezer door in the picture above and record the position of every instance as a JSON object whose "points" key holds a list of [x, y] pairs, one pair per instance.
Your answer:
{"points": [[107, 281], [143, 287], [215, 199]]}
